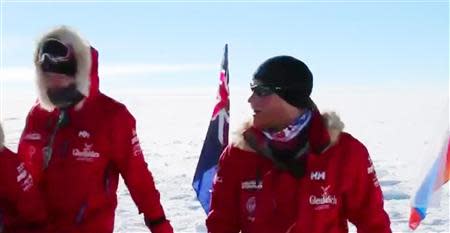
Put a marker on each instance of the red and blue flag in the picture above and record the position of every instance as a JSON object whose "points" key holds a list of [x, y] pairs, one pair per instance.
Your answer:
{"points": [[216, 139], [435, 178]]}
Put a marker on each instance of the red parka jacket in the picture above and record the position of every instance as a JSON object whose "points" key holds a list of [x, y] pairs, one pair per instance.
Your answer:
{"points": [[89, 145], [252, 196]]}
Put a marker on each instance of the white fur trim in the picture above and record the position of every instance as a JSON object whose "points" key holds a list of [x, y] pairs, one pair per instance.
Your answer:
{"points": [[332, 120], [238, 140], [334, 124], [82, 51]]}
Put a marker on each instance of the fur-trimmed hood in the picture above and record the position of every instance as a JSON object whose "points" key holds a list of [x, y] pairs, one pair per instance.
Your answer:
{"points": [[331, 120], [86, 76]]}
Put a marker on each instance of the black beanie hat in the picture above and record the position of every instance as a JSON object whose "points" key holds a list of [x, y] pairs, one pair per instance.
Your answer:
{"points": [[50, 56], [292, 76]]}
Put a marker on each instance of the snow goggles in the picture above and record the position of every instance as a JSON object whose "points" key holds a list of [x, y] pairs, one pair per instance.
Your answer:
{"points": [[55, 51], [264, 90], [57, 57]]}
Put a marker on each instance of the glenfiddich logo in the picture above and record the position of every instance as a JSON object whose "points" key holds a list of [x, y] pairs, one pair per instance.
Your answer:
{"points": [[86, 154], [325, 199]]}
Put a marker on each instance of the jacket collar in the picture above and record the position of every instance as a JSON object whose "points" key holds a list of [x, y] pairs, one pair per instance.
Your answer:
{"points": [[324, 132]]}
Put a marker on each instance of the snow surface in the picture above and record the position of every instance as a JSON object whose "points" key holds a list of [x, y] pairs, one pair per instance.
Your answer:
{"points": [[396, 124]]}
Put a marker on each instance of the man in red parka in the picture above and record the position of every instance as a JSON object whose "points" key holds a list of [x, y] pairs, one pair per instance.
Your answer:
{"points": [[21, 207], [293, 170], [77, 141]]}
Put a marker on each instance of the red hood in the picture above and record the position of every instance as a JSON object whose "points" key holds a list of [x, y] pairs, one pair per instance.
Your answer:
{"points": [[95, 82]]}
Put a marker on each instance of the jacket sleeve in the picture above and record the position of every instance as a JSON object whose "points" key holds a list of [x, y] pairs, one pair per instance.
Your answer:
{"points": [[32, 163], [18, 186], [224, 213], [365, 198], [19, 189], [129, 159]]}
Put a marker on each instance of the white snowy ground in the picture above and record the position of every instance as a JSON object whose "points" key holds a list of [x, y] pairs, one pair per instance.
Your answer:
{"points": [[396, 124]]}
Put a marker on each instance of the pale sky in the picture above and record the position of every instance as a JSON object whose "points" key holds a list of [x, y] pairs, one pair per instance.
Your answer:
{"points": [[180, 43]]}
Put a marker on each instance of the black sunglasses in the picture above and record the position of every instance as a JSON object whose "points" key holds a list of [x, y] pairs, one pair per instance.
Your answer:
{"points": [[264, 90]]}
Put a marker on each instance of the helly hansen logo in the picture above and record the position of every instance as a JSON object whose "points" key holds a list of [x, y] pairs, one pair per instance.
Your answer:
{"points": [[318, 175], [84, 134]]}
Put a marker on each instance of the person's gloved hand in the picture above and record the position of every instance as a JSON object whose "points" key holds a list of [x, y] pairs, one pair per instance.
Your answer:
{"points": [[163, 227], [160, 226]]}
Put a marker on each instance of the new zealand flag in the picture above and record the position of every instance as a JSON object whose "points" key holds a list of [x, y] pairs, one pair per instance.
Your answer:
{"points": [[216, 139]]}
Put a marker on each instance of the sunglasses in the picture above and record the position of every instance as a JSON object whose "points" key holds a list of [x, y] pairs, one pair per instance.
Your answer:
{"points": [[264, 90], [55, 51]]}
